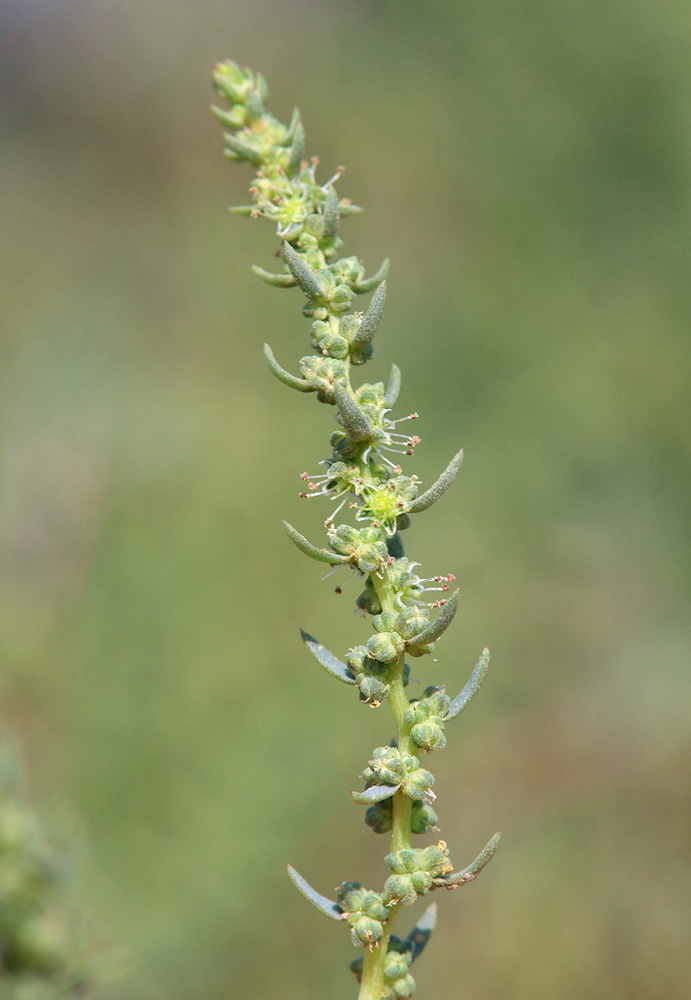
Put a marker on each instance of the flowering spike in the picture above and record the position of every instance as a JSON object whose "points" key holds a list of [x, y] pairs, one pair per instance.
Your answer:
{"points": [[427, 498], [440, 624], [327, 906], [422, 931], [370, 321], [369, 284], [356, 425], [363, 477], [375, 793], [463, 699], [283, 376], [394, 386], [331, 663], [276, 280]]}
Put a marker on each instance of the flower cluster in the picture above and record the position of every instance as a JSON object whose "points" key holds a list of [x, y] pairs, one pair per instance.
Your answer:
{"points": [[38, 957], [363, 477]]}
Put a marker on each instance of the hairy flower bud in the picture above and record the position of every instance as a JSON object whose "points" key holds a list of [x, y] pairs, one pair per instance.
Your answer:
{"points": [[365, 911], [385, 646]]}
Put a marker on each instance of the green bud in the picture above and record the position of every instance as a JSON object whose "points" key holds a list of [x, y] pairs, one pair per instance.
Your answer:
{"points": [[365, 911], [385, 646], [379, 817], [322, 374], [385, 622], [369, 601], [412, 621], [423, 818], [428, 736]]}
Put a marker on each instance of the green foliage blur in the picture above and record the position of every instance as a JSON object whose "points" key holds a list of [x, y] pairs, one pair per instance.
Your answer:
{"points": [[528, 169]]}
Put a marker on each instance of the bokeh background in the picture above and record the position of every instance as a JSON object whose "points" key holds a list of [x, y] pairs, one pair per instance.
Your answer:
{"points": [[528, 168]]}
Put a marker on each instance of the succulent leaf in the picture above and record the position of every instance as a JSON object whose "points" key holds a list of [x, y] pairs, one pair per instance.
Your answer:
{"points": [[331, 663], [321, 555], [463, 699], [426, 499], [327, 906]]}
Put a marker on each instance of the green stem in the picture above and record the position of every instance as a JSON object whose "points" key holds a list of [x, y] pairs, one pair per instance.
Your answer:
{"points": [[372, 982]]}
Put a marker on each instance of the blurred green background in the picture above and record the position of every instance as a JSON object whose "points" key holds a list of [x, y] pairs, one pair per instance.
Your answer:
{"points": [[528, 168]]}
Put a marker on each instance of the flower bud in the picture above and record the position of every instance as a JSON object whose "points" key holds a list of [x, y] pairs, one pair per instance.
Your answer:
{"points": [[428, 736], [379, 817], [365, 912], [369, 601], [423, 818], [411, 621], [385, 646], [387, 767], [385, 622]]}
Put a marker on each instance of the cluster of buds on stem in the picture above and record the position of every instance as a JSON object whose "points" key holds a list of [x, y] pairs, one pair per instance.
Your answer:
{"points": [[362, 477], [39, 956]]}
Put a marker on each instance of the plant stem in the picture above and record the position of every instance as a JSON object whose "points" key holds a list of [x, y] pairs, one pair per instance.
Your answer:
{"points": [[372, 983]]}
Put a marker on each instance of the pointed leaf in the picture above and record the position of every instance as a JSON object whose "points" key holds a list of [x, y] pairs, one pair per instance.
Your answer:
{"points": [[297, 150], [277, 280], [369, 284], [331, 215], [347, 208], [463, 699], [422, 931], [301, 384], [306, 278], [321, 555], [327, 906], [356, 425], [370, 321], [241, 149], [473, 870], [290, 133], [427, 498], [440, 624], [331, 663], [375, 793], [394, 386]]}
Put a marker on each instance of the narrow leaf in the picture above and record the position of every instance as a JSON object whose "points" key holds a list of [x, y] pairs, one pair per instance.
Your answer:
{"points": [[347, 208], [375, 793], [463, 699], [331, 215], [422, 931], [427, 498], [331, 663], [297, 150], [369, 284], [277, 280], [371, 320], [356, 425], [242, 149], [473, 870], [327, 906], [304, 275], [321, 555], [394, 386], [440, 624], [301, 384], [290, 134]]}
